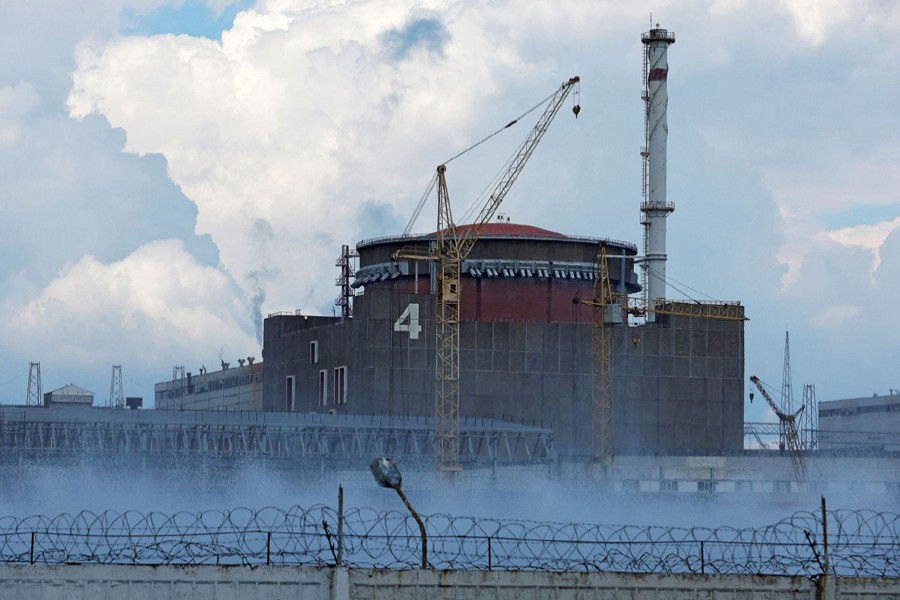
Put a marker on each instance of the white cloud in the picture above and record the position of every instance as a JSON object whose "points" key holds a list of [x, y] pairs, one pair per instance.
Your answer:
{"points": [[837, 317], [154, 306], [870, 237], [302, 115], [817, 20]]}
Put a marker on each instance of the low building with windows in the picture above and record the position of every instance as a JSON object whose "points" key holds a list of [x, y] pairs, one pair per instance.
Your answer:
{"points": [[239, 388], [870, 421]]}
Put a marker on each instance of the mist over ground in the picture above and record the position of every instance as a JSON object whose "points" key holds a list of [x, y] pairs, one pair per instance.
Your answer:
{"points": [[516, 493]]}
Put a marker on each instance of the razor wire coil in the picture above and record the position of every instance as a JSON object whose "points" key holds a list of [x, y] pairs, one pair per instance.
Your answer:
{"points": [[862, 543]]}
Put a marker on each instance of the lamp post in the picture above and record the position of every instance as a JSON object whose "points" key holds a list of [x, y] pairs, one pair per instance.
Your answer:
{"points": [[388, 475]]}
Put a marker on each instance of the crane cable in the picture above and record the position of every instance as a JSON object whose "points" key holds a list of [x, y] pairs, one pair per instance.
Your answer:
{"points": [[479, 200], [507, 126], [772, 392], [490, 185], [415, 215], [431, 184], [672, 282]]}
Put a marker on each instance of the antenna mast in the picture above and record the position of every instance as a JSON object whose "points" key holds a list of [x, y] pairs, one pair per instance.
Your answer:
{"points": [[178, 376], [116, 392], [34, 396], [809, 422], [787, 386]]}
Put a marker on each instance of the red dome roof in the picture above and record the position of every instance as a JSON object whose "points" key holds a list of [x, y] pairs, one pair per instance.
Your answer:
{"points": [[513, 230]]}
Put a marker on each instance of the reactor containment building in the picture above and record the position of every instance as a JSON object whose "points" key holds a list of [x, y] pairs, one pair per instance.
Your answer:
{"points": [[525, 348], [676, 371]]}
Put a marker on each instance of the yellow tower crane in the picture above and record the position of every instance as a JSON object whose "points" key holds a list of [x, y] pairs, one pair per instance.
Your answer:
{"points": [[453, 244], [608, 310]]}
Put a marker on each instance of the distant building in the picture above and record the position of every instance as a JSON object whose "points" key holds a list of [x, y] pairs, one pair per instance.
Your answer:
{"points": [[238, 388], [875, 418], [70, 395]]}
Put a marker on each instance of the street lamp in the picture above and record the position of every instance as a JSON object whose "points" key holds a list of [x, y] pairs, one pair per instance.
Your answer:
{"points": [[388, 475]]}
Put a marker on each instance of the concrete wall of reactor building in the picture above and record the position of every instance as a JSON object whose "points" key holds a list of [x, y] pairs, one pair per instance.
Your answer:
{"points": [[677, 383]]}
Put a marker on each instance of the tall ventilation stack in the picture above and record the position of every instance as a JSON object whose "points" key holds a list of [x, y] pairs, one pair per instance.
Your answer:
{"points": [[654, 207]]}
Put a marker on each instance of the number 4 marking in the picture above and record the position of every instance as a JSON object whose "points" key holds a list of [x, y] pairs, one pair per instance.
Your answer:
{"points": [[412, 326]]}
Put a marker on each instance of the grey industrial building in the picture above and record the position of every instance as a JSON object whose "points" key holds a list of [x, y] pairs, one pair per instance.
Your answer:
{"points": [[866, 422], [526, 332], [525, 343], [69, 395], [238, 388]]}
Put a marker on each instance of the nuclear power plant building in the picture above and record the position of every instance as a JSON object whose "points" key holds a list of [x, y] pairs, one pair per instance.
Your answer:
{"points": [[525, 347]]}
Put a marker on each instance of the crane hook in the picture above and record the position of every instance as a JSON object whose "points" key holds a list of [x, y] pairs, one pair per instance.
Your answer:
{"points": [[576, 98]]}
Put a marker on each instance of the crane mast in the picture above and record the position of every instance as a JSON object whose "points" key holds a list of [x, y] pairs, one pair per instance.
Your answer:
{"points": [[601, 348], [608, 310], [791, 437], [451, 249]]}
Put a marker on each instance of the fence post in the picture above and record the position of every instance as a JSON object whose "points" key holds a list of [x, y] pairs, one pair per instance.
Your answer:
{"points": [[490, 565], [702, 559], [31, 554], [825, 535], [268, 548], [340, 527]]}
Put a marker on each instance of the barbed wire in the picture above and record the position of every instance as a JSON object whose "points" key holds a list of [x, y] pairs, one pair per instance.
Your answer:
{"points": [[861, 543]]}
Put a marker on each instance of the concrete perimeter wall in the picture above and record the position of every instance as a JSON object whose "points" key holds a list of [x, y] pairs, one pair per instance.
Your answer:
{"points": [[114, 582]]}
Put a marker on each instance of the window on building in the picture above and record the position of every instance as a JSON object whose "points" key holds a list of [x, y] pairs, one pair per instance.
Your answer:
{"points": [[668, 485], [323, 388], [340, 385], [290, 394], [706, 486], [782, 486], [630, 485], [314, 352]]}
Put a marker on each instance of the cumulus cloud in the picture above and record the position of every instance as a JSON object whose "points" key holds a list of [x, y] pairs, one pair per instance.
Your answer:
{"points": [[154, 306], [301, 118], [70, 192], [870, 237]]}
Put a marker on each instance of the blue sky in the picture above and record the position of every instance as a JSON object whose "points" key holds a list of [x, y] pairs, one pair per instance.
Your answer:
{"points": [[192, 18], [162, 191]]}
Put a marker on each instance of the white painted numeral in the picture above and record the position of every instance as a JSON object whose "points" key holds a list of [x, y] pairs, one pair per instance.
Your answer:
{"points": [[411, 316]]}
